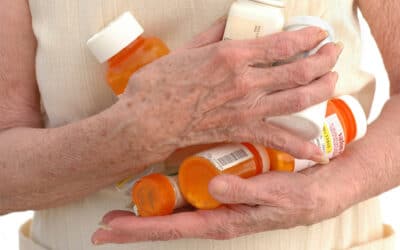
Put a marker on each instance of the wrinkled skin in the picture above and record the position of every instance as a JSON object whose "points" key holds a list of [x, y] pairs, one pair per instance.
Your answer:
{"points": [[218, 95], [226, 99]]}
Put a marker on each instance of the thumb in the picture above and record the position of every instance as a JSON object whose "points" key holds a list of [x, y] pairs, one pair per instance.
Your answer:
{"points": [[231, 189], [212, 35]]}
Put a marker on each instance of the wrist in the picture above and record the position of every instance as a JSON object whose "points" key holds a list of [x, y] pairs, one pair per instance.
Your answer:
{"points": [[138, 131], [340, 185]]}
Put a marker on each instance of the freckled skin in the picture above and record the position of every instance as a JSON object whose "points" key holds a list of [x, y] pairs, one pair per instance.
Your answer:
{"points": [[198, 94], [280, 200]]}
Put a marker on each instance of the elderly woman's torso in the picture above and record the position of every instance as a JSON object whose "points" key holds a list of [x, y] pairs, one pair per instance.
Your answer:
{"points": [[72, 86]]}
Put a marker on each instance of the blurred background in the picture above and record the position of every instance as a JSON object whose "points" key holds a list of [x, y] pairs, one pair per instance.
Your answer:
{"points": [[372, 62]]}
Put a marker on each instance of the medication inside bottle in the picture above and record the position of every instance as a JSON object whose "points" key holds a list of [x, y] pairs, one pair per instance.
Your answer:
{"points": [[249, 19], [122, 45], [157, 195], [309, 122], [345, 122], [196, 172]]}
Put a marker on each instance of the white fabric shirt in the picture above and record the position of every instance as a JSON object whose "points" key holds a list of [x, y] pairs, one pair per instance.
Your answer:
{"points": [[72, 86]]}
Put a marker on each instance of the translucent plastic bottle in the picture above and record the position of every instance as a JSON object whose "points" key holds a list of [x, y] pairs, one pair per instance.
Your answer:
{"points": [[196, 172], [156, 195], [122, 45], [345, 122]]}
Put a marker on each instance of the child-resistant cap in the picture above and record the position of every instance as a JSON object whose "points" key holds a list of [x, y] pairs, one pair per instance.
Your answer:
{"points": [[307, 21], [115, 37], [358, 114], [276, 3], [299, 22]]}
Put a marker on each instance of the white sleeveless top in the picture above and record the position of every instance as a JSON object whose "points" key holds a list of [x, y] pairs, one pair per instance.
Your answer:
{"points": [[73, 87]]}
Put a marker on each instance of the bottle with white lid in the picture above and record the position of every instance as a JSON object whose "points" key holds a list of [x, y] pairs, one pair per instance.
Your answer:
{"points": [[122, 45], [345, 122], [309, 122], [249, 19]]}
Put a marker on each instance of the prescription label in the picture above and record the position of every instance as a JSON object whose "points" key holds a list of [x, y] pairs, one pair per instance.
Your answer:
{"points": [[331, 141], [227, 156]]}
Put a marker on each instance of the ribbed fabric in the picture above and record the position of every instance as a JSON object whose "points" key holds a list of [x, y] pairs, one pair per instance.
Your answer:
{"points": [[73, 87]]}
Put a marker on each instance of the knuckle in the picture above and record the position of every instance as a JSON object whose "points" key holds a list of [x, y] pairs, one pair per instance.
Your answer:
{"points": [[284, 47], [229, 55], [303, 73], [301, 100], [223, 55], [168, 235]]}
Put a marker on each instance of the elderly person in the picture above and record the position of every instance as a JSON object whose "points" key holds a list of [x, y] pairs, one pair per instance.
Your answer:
{"points": [[65, 139]]}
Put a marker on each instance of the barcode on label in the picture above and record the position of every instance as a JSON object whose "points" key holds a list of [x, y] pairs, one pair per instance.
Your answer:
{"points": [[231, 158], [227, 156]]}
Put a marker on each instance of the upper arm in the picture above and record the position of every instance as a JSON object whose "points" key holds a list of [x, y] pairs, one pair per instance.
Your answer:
{"points": [[383, 18], [19, 95]]}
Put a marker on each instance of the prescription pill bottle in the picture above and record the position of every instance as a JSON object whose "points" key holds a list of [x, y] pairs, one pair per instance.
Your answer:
{"points": [[249, 19], [157, 195], [345, 122], [196, 172], [122, 45], [307, 123]]}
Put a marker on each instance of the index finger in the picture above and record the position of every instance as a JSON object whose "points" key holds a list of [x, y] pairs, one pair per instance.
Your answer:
{"points": [[281, 46]]}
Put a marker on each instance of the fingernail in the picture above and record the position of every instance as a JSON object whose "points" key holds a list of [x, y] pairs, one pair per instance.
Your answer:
{"points": [[220, 187], [96, 242], [323, 34], [104, 226], [340, 45], [221, 19], [321, 159]]}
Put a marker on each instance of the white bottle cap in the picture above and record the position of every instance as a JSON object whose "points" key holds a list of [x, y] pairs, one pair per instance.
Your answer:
{"points": [[358, 114], [310, 21], [307, 124], [299, 22], [115, 37], [276, 3]]}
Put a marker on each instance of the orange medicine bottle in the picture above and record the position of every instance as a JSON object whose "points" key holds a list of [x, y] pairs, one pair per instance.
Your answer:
{"points": [[345, 122], [196, 172], [122, 45], [156, 195]]}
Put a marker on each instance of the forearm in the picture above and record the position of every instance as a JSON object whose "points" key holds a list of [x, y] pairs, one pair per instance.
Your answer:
{"points": [[48, 167], [368, 167], [383, 18]]}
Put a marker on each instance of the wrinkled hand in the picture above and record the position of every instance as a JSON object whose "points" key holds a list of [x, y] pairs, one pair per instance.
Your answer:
{"points": [[272, 201], [210, 92]]}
